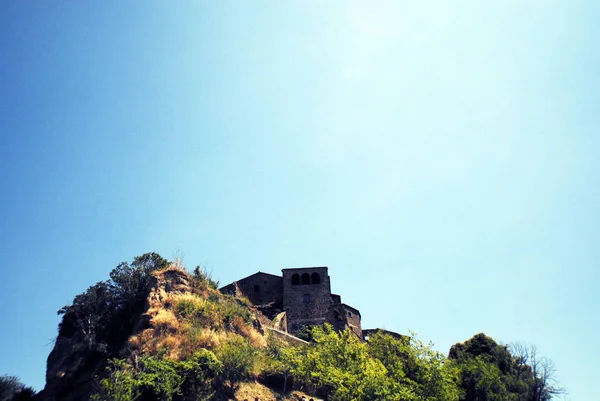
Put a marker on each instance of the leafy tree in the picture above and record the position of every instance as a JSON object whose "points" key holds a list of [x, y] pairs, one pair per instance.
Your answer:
{"points": [[416, 370], [90, 313], [339, 365], [106, 312], [491, 371], [540, 371]]}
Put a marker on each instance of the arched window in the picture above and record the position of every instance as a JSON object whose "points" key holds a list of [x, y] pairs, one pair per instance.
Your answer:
{"points": [[305, 278], [315, 278], [295, 279]]}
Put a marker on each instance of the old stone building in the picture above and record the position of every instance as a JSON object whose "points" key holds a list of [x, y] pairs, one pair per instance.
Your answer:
{"points": [[300, 297]]}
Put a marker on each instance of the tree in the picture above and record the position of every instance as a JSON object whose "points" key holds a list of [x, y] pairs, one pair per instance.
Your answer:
{"points": [[492, 371], [106, 312], [90, 313], [540, 370], [417, 371], [339, 365]]}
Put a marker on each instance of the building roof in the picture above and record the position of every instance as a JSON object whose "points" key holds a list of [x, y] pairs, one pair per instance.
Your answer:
{"points": [[353, 309], [259, 273]]}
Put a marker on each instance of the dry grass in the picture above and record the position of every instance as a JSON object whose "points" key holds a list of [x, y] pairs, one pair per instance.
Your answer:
{"points": [[298, 396], [183, 322], [175, 299], [193, 338], [253, 390], [165, 321]]}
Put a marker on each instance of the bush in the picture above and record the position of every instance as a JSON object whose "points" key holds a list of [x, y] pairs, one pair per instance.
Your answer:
{"points": [[238, 358], [205, 277], [161, 379]]}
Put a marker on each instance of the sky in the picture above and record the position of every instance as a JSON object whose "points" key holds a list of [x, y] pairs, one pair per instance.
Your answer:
{"points": [[441, 158]]}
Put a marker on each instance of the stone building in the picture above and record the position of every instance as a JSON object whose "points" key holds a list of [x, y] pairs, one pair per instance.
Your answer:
{"points": [[300, 297]]}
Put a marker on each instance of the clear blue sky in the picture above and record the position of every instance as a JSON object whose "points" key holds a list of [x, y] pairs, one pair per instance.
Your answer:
{"points": [[441, 157]]}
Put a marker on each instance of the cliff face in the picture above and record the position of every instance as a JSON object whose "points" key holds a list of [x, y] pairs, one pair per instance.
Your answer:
{"points": [[73, 367]]}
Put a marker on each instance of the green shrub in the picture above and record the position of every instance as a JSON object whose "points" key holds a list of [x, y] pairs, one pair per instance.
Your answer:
{"points": [[230, 307], [161, 379], [238, 358], [205, 277]]}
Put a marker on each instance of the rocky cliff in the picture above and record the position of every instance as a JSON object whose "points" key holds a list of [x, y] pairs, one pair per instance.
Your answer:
{"points": [[73, 367]]}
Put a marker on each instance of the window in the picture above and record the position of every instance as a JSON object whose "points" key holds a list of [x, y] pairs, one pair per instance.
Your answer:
{"points": [[306, 298], [305, 279], [315, 278], [295, 279], [256, 288]]}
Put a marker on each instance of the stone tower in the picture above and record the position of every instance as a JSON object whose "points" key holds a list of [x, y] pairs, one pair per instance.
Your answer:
{"points": [[306, 296]]}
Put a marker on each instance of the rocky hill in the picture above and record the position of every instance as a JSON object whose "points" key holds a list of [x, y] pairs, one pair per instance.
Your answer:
{"points": [[184, 320], [155, 331]]}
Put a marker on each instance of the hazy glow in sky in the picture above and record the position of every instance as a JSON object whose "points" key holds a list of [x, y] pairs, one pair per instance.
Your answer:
{"points": [[440, 157]]}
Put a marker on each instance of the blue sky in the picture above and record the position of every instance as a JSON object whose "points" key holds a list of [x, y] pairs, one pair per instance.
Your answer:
{"points": [[440, 157]]}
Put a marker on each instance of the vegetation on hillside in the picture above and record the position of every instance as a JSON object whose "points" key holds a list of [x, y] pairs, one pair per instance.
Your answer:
{"points": [[199, 344], [105, 314], [490, 371]]}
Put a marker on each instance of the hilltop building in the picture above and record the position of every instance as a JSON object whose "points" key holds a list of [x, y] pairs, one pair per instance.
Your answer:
{"points": [[300, 297]]}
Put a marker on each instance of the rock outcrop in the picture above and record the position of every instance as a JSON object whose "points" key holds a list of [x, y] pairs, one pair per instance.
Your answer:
{"points": [[73, 367]]}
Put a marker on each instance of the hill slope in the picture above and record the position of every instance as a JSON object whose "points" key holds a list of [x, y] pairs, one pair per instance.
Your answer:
{"points": [[154, 331]]}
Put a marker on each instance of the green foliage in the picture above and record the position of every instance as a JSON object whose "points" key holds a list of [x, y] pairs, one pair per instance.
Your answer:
{"points": [[106, 312], [11, 389], [198, 374], [120, 385], [238, 358], [205, 277], [231, 308], [339, 366], [272, 358], [157, 379], [416, 370], [490, 371], [192, 308], [335, 365]]}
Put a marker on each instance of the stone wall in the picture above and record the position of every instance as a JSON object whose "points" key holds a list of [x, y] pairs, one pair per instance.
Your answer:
{"points": [[342, 316], [260, 288], [306, 296], [353, 320]]}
